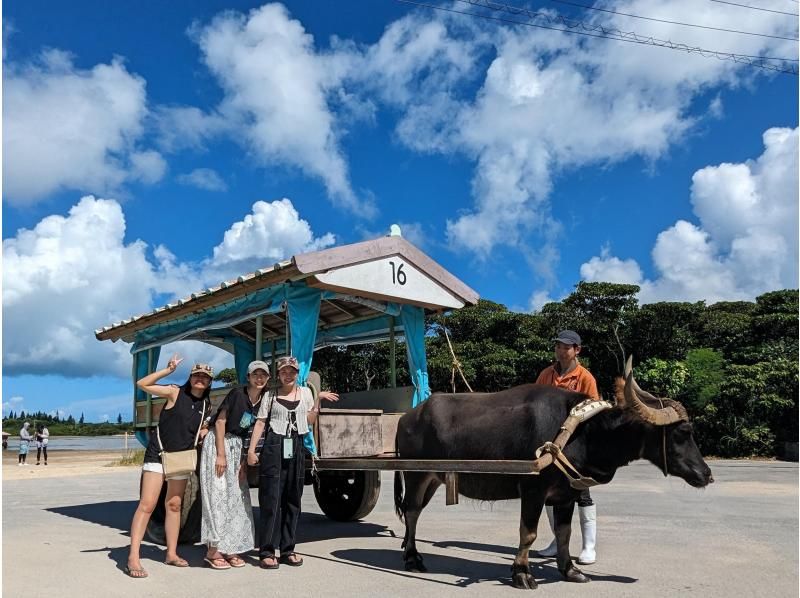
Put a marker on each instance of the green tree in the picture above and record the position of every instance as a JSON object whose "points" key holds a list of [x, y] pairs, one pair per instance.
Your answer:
{"points": [[725, 326], [665, 330], [600, 312], [662, 377], [495, 347], [706, 372], [755, 412], [227, 375], [119, 418], [80, 421]]}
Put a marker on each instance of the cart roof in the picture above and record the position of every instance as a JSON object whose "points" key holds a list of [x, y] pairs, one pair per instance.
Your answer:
{"points": [[359, 280]]}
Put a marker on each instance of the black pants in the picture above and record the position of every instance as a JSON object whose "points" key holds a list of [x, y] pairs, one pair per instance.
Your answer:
{"points": [[585, 499], [39, 450], [280, 491]]}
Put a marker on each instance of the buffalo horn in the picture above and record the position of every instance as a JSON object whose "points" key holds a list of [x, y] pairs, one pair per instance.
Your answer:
{"points": [[671, 413]]}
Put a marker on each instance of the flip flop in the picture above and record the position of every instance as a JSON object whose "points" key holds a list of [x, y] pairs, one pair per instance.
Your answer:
{"points": [[235, 561], [217, 562], [263, 565], [139, 573], [179, 562], [297, 562]]}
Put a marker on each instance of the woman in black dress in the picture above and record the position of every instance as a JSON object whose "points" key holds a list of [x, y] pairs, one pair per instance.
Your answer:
{"points": [[183, 414]]}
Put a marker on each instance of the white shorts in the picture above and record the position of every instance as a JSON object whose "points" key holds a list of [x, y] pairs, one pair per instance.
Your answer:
{"points": [[156, 468]]}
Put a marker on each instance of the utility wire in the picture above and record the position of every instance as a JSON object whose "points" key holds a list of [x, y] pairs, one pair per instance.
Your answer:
{"points": [[600, 31], [780, 12], [625, 14]]}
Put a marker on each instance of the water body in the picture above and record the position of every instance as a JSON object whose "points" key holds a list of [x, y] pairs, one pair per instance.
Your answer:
{"points": [[82, 443]]}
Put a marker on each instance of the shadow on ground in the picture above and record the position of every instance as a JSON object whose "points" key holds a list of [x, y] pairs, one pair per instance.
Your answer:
{"points": [[115, 514]]}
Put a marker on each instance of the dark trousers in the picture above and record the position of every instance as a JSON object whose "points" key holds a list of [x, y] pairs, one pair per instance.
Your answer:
{"points": [[280, 491], [585, 499], [39, 453]]}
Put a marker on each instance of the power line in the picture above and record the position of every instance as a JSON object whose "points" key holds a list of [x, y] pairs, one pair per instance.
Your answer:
{"points": [[780, 12], [625, 14], [589, 30]]}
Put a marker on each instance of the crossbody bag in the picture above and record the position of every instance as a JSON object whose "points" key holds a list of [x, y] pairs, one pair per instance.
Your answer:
{"points": [[180, 463]]}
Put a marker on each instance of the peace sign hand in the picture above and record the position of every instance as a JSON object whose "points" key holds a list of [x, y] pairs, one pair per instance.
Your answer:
{"points": [[172, 365]]}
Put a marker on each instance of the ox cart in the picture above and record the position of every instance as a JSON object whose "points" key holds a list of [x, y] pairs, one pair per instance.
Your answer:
{"points": [[372, 291]]}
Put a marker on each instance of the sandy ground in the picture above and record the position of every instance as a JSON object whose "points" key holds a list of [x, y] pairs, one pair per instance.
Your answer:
{"points": [[60, 464], [656, 537]]}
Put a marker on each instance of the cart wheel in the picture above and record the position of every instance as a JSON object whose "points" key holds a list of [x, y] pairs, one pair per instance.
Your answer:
{"points": [[347, 495], [191, 516]]}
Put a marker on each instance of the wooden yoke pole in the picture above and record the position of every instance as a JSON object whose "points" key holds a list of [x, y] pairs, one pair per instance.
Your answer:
{"points": [[149, 407], [259, 337]]}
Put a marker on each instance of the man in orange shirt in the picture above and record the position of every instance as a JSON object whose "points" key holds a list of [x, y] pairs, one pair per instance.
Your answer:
{"points": [[568, 373]]}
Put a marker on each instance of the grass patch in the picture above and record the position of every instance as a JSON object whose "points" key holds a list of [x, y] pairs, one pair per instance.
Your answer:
{"points": [[130, 458]]}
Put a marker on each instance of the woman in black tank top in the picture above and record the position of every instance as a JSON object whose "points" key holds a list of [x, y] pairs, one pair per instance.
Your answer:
{"points": [[179, 422]]}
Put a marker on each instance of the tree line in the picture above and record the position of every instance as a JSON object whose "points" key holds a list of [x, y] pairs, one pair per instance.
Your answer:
{"points": [[733, 364], [68, 426]]}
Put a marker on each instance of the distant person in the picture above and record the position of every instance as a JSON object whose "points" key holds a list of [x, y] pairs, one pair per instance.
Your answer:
{"points": [[227, 526], [42, 438], [181, 417], [24, 443], [286, 415], [567, 373]]}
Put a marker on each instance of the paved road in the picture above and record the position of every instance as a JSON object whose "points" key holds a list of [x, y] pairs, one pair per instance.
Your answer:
{"points": [[68, 537]]}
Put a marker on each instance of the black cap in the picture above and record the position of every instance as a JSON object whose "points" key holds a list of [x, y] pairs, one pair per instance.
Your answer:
{"points": [[568, 337]]}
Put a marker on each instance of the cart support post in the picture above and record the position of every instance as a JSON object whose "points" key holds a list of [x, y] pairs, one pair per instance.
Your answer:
{"points": [[451, 488], [149, 408], [392, 354], [259, 337]]}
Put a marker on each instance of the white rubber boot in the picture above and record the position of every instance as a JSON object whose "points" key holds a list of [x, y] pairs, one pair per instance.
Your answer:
{"points": [[551, 549], [588, 516]]}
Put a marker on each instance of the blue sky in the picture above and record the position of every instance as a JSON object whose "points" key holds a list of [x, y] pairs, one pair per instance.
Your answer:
{"points": [[151, 149]]}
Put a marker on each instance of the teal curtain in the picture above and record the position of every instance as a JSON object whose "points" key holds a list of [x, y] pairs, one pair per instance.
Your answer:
{"points": [[303, 307], [413, 320]]}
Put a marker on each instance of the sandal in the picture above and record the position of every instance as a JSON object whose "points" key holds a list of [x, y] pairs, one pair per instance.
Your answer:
{"points": [[235, 560], [264, 565], [178, 562], [292, 559], [217, 562], [136, 573]]}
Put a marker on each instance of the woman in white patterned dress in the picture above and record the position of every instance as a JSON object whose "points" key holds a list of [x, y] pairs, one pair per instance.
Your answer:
{"points": [[227, 524]]}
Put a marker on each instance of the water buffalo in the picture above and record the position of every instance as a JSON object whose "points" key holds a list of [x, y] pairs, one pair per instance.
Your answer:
{"points": [[512, 424]]}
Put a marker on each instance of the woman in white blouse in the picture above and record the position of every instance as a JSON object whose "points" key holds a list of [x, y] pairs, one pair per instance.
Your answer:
{"points": [[288, 413]]}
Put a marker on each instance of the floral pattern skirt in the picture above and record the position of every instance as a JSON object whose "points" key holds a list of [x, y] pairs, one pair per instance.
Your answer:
{"points": [[227, 513]]}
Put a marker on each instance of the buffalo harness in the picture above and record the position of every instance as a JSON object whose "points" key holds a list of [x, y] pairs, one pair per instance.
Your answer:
{"points": [[552, 452]]}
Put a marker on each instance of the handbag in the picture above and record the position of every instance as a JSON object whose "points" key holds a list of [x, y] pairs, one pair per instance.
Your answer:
{"points": [[180, 463]]}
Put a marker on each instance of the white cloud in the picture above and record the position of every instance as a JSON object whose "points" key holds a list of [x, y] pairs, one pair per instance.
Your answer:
{"points": [[272, 232], [608, 267], [186, 127], [277, 93], [747, 240], [65, 277], [538, 300], [70, 128], [203, 178], [549, 102], [72, 274], [148, 166]]}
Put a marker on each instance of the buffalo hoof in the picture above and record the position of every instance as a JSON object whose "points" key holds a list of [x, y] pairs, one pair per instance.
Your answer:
{"points": [[522, 579], [575, 575], [416, 564]]}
